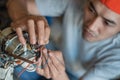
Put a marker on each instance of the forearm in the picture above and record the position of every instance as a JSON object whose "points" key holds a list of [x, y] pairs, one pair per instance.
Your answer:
{"points": [[20, 8], [61, 76], [16, 9]]}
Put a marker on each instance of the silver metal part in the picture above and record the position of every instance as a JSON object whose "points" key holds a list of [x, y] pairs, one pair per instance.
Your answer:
{"points": [[13, 52], [6, 74]]}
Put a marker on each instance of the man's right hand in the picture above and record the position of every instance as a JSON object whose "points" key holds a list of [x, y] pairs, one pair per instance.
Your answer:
{"points": [[36, 26], [20, 12]]}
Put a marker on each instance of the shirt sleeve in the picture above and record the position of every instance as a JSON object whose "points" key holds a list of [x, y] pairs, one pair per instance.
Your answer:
{"points": [[51, 7], [107, 67]]}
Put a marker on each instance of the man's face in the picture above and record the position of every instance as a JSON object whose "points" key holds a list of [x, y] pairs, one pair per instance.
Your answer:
{"points": [[99, 22]]}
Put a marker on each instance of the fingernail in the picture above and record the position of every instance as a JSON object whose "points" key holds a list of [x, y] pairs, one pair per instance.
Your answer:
{"points": [[22, 40], [46, 41], [45, 50], [33, 41], [41, 42]]}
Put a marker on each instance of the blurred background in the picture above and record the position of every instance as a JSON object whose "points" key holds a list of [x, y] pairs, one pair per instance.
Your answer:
{"points": [[4, 18]]}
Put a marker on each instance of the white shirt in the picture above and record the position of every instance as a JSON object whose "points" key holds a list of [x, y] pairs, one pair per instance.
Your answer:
{"points": [[91, 61]]}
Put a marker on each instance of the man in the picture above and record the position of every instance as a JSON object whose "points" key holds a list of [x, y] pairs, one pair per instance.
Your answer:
{"points": [[91, 39]]}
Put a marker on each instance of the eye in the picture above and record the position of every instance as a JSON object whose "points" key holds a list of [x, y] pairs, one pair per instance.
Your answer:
{"points": [[107, 23], [91, 10]]}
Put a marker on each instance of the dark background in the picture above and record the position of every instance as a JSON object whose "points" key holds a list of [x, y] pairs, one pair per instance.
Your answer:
{"points": [[4, 17]]}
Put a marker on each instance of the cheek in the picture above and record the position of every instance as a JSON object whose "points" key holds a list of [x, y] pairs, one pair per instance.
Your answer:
{"points": [[87, 17], [110, 32], [113, 32]]}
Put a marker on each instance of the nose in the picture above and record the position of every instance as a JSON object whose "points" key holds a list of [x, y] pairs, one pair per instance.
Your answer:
{"points": [[94, 24]]}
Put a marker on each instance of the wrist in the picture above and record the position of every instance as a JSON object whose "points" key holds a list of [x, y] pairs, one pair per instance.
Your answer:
{"points": [[9, 3], [61, 76], [16, 9]]}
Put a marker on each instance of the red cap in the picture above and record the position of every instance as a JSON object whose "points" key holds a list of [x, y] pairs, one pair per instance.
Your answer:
{"points": [[114, 5]]}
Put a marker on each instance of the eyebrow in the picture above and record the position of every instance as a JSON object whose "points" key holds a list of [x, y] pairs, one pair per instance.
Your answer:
{"points": [[91, 5], [111, 21]]}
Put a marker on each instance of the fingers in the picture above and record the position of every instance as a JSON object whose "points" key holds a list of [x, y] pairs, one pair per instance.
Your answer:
{"points": [[53, 66], [38, 32], [47, 35], [37, 28], [57, 63], [56, 66], [43, 33], [38, 69], [47, 73], [31, 31], [43, 68], [20, 36], [59, 56]]}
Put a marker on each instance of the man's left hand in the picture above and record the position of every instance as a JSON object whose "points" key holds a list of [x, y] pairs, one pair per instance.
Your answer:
{"points": [[52, 65]]}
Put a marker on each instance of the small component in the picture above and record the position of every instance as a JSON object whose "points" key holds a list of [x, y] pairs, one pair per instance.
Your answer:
{"points": [[13, 52], [25, 48], [37, 52]]}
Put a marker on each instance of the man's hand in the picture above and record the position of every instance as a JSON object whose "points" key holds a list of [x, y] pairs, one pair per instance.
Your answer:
{"points": [[37, 28], [52, 65], [20, 12]]}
